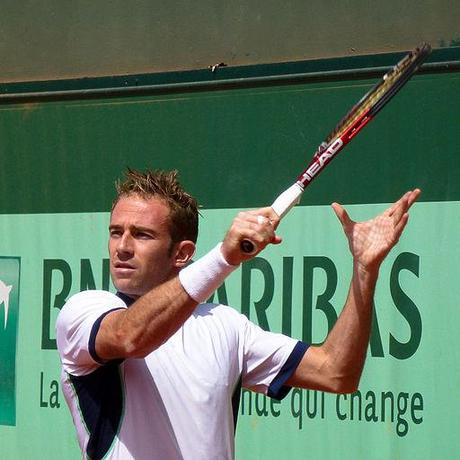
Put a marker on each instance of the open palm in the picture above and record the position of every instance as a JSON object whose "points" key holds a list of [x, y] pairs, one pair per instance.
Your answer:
{"points": [[372, 240]]}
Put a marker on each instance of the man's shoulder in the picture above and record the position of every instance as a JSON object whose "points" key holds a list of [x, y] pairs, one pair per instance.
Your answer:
{"points": [[92, 294], [90, 300], [94, 297]]}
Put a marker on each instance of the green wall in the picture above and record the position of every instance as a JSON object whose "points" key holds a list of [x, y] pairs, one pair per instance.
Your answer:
{"points": [[234, 148]]}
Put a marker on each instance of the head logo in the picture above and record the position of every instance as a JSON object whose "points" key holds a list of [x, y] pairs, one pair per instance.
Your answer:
{"points": [[10, 268]]}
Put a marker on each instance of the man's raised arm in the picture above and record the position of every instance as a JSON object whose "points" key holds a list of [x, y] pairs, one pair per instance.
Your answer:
{"points": [[337, 364]]}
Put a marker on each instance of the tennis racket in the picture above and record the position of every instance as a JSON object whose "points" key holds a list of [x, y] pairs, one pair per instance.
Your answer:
{"points": [[355, 120]]}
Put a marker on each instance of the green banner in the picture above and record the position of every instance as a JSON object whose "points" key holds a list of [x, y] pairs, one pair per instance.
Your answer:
{"points": [[406, 405]]}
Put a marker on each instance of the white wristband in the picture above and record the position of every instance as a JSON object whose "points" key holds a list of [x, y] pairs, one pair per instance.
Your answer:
{"points": [[201, 278]]}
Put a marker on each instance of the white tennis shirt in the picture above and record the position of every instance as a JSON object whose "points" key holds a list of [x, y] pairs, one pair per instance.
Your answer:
{"points": [[179, 402]]}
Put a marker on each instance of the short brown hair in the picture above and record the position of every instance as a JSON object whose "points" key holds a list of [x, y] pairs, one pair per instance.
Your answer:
{"points": [[165, 186]]}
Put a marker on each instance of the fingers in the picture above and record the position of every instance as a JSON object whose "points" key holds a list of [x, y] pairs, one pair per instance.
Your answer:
{"points": [[394, 208], [341, 214], [399, 227], [258, 221], [407, 200], [257, 227], [400, 207], [413, 197], [269, 215]]}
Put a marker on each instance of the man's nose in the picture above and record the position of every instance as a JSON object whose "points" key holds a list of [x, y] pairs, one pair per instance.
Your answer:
{"points": [[125, 245]]}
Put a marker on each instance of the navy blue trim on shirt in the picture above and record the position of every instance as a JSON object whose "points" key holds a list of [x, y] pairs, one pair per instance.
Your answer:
{"points": [[236, 396], [126, 299], [97, 324], [100, 395], [277, 389], [93, 334], [100, 399]]}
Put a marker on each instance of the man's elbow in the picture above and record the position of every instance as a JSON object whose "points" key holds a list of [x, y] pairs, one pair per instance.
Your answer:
{"points": [[344, 384], [129, 345]]}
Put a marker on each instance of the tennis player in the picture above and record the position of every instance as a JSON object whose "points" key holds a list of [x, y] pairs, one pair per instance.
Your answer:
{"points": [[152, 372]]}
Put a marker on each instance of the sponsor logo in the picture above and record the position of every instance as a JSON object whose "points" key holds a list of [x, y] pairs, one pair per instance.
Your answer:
{"points": [[5, 299], [10, 268]]}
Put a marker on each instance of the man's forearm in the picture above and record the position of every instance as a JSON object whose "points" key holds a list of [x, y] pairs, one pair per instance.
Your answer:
{"points": [[337, 364], [146, 324], [346, 345], [158, 314]]}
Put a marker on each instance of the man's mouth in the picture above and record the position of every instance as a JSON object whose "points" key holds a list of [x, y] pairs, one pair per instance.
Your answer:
{"points": [[123, 265], [121, 269]]}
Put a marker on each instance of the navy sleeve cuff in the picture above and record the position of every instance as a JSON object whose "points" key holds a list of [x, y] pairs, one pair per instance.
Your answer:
{"points": [[278, 390], [93, 334]]}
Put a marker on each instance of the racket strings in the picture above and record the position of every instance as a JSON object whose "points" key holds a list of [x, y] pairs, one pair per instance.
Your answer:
{"points": [[376, 98]]}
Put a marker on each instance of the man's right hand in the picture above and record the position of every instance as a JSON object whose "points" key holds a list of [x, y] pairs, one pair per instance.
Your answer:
{"points": [[257, 226]]}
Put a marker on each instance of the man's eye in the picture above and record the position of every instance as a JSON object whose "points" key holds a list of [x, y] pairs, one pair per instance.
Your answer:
{"points": [[115, 233], [143, 236]]}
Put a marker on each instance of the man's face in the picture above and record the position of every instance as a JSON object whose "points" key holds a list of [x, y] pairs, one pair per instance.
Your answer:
{"points": [[140, 245]]}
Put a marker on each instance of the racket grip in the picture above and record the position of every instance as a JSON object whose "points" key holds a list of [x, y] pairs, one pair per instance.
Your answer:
{"points": [[288, 199]]}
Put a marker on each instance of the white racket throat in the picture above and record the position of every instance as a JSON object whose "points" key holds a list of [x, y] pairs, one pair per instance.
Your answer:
{"points": [[288, 199]]}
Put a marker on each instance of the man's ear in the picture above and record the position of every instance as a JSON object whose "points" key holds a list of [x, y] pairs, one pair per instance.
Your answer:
{"points": [[183, 253]]}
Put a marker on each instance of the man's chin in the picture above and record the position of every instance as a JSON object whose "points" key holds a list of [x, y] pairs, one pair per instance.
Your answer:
{"points": [[128, 288]]}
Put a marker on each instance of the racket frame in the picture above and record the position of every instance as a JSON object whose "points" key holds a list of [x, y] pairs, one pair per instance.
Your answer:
{"points": [[347, 129]]}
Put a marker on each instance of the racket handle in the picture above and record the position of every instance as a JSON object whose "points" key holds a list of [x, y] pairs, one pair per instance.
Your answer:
{"points": [[287, 200]]}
